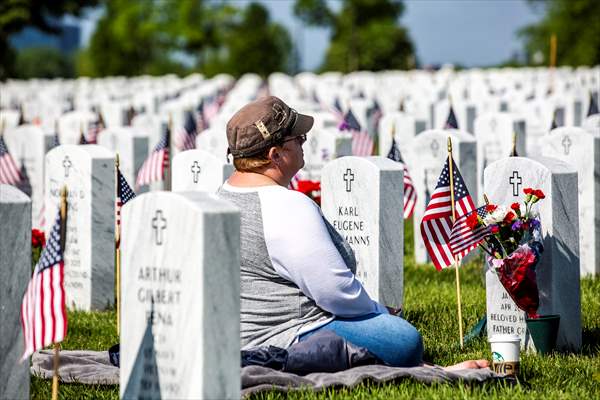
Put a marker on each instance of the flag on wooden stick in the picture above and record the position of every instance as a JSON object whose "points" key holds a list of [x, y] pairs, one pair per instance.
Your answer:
{"points": [[9, 171], [451, 122], [410, 194], [593, 108], [445, 238], [362, 144], [153, 169], [186, 134], [43, 311]]}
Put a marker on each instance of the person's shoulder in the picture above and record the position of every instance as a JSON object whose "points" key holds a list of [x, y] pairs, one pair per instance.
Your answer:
{"points": [[290, 202]]}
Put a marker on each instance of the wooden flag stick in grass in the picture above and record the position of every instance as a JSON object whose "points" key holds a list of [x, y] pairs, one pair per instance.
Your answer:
{"points": [[63, 233], [117, 248], [456, 261]]}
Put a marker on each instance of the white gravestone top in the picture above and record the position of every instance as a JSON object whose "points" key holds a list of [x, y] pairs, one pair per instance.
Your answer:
{"points": [[181, 304], [362, 197], [425, 159], [558, 269], [198, 170], [582, 150], [89, 174], [15, 271]]}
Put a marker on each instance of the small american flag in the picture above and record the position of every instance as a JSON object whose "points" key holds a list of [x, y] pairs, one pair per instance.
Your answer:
{"points": [[451, 122], [593, 108], [9, 172], [55, 140], [199, 114], [410, 194], [444, 243], [554, 124], [186, 135], [82, 139], [94, 127], [464, 239], [210, 109], [43, 311], [154, 167], [124, 194], [362, 144]]}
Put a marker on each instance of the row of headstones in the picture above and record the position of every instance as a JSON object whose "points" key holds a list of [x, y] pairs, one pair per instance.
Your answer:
{"points": [[168, 236], [423, 154]]}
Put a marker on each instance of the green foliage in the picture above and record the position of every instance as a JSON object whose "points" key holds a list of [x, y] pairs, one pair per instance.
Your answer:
{"points": [[17, 14], [365, 35], [157, 37], [429, 304], [55, 64], [252, 44], [575, 23]]}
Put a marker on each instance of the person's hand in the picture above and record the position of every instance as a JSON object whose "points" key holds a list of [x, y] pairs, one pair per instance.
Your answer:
{"points": [[394, 311]]}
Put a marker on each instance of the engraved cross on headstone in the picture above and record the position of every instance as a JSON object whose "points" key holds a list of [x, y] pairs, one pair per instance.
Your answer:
{"points": [[348, 178], [566, 142], [67, 164], [435, 146], [159, 223], [515, 180], [195, 171]]}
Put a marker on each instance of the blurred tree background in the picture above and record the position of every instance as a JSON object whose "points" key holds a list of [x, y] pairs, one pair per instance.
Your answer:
{"points": [[365, 34], [135, 37], [15, 15], [576, 24]]}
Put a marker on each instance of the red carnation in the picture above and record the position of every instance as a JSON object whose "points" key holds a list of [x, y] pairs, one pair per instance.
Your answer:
{"points": [[490, 208], [494, 229], [528, 191], [509, 217], [539, 194], [472, 220], [515, 206]]}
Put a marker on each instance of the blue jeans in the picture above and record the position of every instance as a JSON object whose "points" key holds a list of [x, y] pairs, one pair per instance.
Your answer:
{"points": [[391, 338]]}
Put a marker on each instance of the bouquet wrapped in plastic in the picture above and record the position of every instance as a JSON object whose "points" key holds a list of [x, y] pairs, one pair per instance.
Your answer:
{"points": [[514, 247]]}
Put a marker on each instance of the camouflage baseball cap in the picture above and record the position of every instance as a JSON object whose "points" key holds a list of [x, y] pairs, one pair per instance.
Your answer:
{"points": [[264, 123]]}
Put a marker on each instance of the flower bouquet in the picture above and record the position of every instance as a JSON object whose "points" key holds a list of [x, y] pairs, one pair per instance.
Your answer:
{"points": [[310, 188], [514, 247], [38, 242]]}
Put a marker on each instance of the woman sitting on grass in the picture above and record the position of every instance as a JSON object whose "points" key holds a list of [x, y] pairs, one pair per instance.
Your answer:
{"points": [[297, 272]]}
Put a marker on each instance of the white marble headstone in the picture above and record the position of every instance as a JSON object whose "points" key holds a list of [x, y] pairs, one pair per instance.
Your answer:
{"points": [[180, 336], [425, 160], [558, 269], [89, 173], [582, 150], [28, 145], [362, 197], [213, 140], [404, 128], [592, 124], [15, 271], [130, 144], [494, 133], [71, 123], [322, 146], [199, 170]]}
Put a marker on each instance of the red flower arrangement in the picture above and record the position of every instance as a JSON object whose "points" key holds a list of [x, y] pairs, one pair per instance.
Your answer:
{"points": [[38, 242], [310, 188], [514, 246]]}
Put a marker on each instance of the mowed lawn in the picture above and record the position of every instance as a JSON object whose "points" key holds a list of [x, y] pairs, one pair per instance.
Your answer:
{"points": [[430, 304]]}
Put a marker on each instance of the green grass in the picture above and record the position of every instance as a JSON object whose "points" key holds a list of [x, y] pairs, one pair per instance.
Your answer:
{"points": [[430, 304]]}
